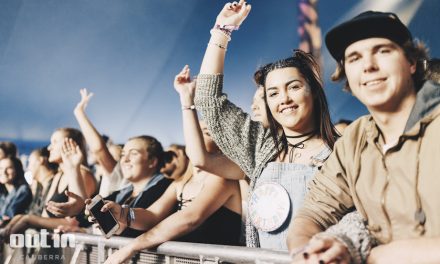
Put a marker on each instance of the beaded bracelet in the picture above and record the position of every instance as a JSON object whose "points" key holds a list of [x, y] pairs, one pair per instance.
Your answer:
{"points": [[191, 107], [226, 34], [218, 45], [229, 28]]}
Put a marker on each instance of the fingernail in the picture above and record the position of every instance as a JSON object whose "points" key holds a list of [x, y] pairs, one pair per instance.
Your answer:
{"points": [[306, 255], [321, 261]]}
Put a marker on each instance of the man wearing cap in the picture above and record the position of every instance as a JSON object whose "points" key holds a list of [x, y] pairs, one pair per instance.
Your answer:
{"points": [[386, 166]]}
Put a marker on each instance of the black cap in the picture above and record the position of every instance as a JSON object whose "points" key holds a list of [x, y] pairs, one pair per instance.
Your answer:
{"points": [[369, 24]]}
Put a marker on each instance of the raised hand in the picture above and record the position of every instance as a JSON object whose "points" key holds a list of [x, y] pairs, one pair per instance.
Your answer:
{"points": [[85, 97], [71, 208], [71, 154], [184, 86], [233, 14]]}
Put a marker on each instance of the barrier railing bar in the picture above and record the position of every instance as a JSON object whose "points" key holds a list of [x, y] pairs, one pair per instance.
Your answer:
{"points": [[231, 254]]}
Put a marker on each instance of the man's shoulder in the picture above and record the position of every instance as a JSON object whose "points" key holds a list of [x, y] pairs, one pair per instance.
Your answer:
{"points": [[357, 127]]}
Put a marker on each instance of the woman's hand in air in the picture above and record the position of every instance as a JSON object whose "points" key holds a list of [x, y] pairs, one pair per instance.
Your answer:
{"points": [[71, 154], [82, 105], [185, 86], [233, 14]]}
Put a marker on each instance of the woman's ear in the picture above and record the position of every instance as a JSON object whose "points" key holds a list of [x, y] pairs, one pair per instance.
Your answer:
{"points": [[153, 163]]}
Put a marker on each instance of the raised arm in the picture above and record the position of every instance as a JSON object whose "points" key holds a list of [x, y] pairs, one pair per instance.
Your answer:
{"points": [[93, 138], [195, 148], [239, 138], [231, 16]]}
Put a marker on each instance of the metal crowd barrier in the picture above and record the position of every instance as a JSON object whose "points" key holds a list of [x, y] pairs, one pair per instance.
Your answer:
{"points": [[93, 249]]}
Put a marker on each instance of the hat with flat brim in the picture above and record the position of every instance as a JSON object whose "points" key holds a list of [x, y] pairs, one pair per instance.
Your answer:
{"points": [[370, 24]]}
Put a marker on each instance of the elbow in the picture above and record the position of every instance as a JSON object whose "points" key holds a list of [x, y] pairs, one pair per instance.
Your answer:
{"points": [[193, 220], [198, 162]]}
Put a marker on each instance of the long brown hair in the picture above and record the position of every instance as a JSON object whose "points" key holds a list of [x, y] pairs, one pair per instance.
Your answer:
{"points": [[309, 69]]}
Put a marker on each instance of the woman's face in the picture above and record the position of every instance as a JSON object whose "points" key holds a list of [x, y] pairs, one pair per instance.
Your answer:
{"points": [[259, 107], [290, 100], [177, 166], [209, 142], [55, 146], [135, 161], [34, 163], [7, 171]]}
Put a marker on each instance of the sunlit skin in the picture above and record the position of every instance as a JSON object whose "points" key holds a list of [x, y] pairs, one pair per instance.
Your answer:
{"points": [[290, 100], [55, 147], [379, 74]]}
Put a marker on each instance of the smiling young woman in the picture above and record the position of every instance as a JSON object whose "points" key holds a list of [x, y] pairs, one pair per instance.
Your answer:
{"points": [[280, 160]]}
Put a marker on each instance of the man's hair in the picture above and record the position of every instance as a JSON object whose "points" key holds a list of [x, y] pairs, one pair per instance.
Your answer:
{"points": [[415, 51]]}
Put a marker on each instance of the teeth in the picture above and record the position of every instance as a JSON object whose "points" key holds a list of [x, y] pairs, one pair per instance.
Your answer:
{"points": [[373, 82], [287, 110]]}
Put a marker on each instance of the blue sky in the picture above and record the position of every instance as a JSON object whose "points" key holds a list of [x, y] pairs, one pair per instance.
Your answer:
{"points": [[127, 53]]}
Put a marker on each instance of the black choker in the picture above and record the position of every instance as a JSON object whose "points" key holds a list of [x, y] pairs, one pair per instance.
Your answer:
{"points": [[299, 145], [302, 135]]}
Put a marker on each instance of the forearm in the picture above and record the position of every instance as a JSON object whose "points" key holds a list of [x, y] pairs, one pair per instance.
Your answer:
{"points": [[214, 59], [195, 147], [301, 230], [75, 181], [95, 142], [34, 221], [170, 228], [144, 219]]}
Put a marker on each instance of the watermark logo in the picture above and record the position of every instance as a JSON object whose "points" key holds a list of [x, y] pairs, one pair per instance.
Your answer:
{"points": [[40, 240]]}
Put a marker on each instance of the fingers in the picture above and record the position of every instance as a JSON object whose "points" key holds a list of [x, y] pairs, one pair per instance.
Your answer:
{"points": [[318, 244], [69, 146], [244, 10], [73, 195], [84, 94], [55, 210], [338, 253], [108, 206]]}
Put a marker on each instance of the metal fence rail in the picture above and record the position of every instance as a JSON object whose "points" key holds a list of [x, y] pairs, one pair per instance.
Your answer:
{"points": [[176, 252], [94, 249]]}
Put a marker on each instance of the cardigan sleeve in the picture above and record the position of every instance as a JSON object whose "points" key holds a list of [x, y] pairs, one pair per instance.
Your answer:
{"points": [[242, 140]]}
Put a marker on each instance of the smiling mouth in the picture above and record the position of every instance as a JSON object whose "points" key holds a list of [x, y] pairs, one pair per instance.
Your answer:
{"points": [[288, 110], [374, 82]]}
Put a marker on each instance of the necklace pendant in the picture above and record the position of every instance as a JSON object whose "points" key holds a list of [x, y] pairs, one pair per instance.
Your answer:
{"points": [[420, 216]]}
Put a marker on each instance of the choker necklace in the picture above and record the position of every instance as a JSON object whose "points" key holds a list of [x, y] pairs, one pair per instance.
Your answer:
{"points": [[302, 135], [299, 145]]}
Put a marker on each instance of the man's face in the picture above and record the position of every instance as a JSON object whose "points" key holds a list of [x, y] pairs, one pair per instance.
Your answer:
{"points": [[379, 74]]}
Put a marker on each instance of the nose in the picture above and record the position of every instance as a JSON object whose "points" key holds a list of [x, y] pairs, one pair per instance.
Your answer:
{"points": [[370, 63], [125, 158], [285, 98], [254, 107]]}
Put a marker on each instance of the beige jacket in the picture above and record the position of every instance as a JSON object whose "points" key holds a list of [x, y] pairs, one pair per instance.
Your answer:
{"points": [[384, 188]]}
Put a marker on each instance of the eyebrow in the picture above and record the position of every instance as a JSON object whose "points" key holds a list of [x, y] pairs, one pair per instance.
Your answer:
{"points": [[286, 84], [374, 49]]}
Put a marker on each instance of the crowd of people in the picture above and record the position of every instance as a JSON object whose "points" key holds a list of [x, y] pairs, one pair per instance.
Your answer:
{"points": [[282, 178]]}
